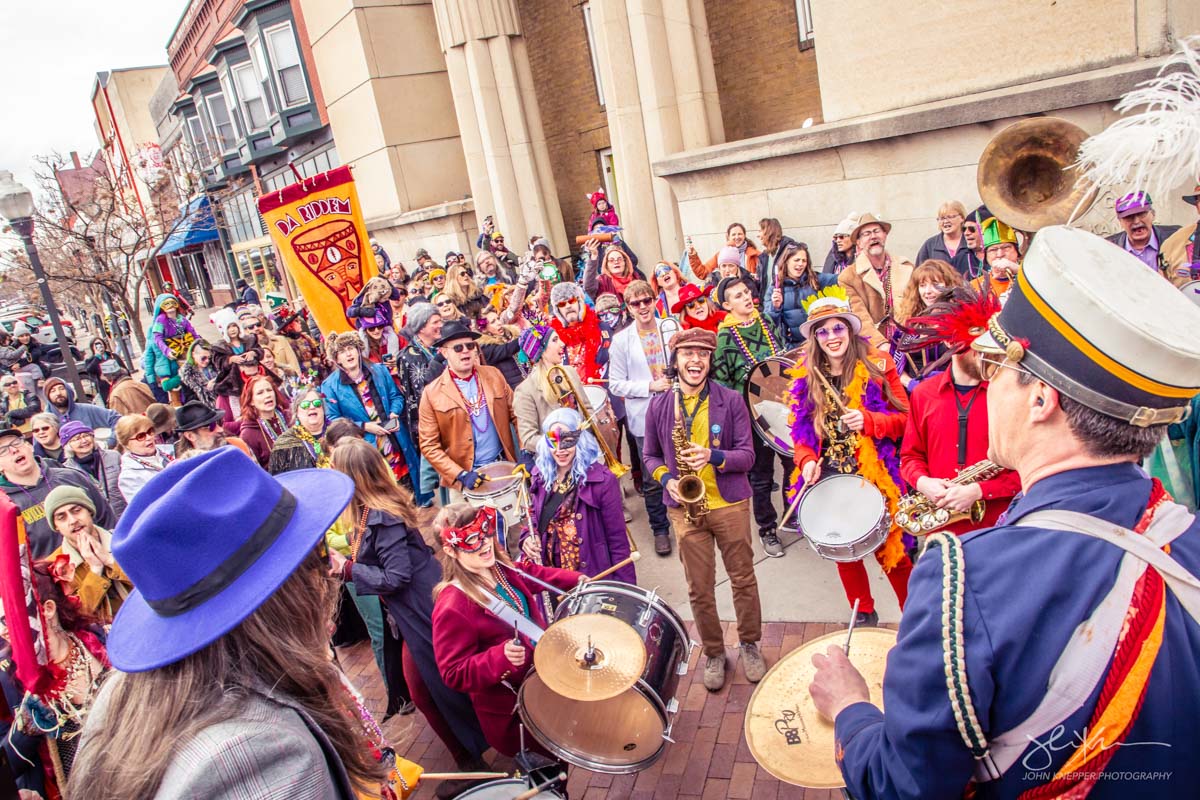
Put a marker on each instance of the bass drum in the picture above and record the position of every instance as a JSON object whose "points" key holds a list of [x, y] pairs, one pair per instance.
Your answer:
{"points": [[1191, 290], [766, 394], [629, 732]]}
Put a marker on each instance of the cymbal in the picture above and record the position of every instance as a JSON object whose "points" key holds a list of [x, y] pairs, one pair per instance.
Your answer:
{"points": [[787, 736], [615, 662]]}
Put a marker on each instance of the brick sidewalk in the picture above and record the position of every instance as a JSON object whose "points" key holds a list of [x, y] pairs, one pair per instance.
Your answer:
{"points": [[709, 760]]}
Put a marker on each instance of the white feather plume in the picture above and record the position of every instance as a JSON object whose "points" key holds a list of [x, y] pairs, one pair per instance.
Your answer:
{"points": [[1158, 147]]}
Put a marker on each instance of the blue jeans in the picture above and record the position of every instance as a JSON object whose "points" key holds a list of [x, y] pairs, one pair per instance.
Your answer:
{"points": [[425, 483], [371, 611]]}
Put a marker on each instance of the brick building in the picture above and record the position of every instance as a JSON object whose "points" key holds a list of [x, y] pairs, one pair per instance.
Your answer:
{"points": [[696, 113]]}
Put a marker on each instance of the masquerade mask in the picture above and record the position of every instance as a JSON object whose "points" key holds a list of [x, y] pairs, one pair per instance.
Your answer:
{"points": [[610, 317], [472, 537], [662, 269], [560, 439]]}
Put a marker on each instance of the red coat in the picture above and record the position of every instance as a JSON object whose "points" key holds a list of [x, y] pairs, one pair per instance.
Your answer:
{"points": [[877, 425], [468, 643], [930, 446], [584, 341]]}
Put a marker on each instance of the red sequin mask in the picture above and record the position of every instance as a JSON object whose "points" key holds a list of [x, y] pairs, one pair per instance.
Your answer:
{"points": [[471, 538]]}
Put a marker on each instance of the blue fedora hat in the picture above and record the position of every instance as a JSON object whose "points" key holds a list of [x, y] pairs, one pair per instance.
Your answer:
{"points": [[205, 542]]}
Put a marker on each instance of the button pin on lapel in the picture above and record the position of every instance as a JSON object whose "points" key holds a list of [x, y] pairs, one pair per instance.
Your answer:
{"points": [[716, 435]]}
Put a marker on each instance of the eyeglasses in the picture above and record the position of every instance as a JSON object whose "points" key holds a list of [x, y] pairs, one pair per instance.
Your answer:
{"points": [[565, 303], [317, 403], [989, 368], [949, 217], [869, 232], [10, 448], [143, 436], [461, 346], [251, 326], [699, 301], [441, 303], [833, 330], [42, 429], [645, 301]]}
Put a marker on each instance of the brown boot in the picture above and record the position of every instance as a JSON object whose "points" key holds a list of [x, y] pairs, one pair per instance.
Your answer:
{"points": [[714, 673], [753, 663]]}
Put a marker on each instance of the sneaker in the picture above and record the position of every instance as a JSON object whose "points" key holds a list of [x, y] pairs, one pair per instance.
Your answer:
{"points": [[662, 544], [868, 619], [628, 516], [714, 673], [753, 663], [771, 543]]}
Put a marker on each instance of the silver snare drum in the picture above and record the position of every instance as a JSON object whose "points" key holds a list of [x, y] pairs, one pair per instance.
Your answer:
{"points": [[844, 518], [504, 789]]}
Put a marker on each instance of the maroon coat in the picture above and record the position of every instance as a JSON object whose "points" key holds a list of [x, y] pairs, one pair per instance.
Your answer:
{"points": [[468, 642]]}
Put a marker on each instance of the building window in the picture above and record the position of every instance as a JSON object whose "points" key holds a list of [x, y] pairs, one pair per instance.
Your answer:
{"points": [[285, 59], [224, 132], [804, 21], [198, 141], [259, 62], [250, 97], [242, 217], [608, 171], [591, 40]]}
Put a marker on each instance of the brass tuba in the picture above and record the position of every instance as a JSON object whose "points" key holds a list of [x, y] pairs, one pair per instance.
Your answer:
{"points": [[1023, 175], [560, 381]]}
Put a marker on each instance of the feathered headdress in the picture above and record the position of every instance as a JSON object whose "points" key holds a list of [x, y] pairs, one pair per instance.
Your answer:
{"points": [[1159, 146], [829, 293], [954, 321]]}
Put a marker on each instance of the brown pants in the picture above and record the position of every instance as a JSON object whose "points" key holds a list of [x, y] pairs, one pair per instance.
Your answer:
{"points": [[729, 529]]}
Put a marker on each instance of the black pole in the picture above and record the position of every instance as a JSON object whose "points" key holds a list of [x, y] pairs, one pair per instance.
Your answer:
{"points": [[24, 228]]}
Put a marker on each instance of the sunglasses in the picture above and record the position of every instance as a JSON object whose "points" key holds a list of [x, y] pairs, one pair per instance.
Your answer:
{"points": [[41, 429], [252, 326], [468, 273], [563, 440], [699, 301], [8, 385], [461, 346], [645, 301], [143, 436], [565, 303], [317, 403], [832, 330], [444, 303]]}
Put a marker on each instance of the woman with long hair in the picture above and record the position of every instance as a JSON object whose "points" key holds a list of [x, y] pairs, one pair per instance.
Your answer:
{"points": [[666, 282], [930, 280], [476, 650], [140, 459], [47, 719], [537, 396], [462, 289], [264, 417], [774, 242], [199, 374], [227, 686], [576, 502], [499, 345], [797, 283], [849, 410], [389, 559]]}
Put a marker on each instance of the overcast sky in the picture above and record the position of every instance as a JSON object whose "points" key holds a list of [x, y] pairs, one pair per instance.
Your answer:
{"points": [[51, 52]]}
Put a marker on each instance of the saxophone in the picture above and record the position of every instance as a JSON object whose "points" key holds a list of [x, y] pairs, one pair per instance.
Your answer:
{"points": [[918, 515], [691, 486]]}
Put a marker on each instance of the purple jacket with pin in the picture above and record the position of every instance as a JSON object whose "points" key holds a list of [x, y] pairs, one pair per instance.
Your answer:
{"points": [[599, 522]]}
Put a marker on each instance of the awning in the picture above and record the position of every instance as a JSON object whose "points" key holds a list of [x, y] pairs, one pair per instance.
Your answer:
{"points": [[196, 227]]}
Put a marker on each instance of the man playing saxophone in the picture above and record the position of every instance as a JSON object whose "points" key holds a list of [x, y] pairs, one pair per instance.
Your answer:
{"points": [[947, 433], [702, 429]]}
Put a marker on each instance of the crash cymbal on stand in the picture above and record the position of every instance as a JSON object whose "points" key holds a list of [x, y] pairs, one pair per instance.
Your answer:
{"points": [[590, 657], [784, 730]]}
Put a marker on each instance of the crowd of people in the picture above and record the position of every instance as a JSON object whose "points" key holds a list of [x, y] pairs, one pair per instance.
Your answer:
{"points": [[561, 370]]}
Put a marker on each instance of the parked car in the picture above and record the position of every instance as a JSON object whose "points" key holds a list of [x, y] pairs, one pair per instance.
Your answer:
{"points": [[39, 323]]}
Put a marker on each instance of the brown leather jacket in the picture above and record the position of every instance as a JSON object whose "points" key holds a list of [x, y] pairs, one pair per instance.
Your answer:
{"points": [[445, 436], [865, 292]]}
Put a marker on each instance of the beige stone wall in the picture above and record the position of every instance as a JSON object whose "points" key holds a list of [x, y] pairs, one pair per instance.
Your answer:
{"points": [[438, 229], [896, 53], [389, 101], [901, 178]]}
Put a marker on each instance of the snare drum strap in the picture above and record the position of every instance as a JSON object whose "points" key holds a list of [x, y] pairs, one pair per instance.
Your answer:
{"points": [[511, 617]]}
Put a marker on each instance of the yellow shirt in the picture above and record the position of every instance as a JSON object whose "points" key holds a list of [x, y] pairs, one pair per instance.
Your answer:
{"points": [[699, 435]]}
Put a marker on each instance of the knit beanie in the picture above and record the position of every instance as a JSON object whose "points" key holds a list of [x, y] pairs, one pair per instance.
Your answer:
{"points": [[66, 495], [417, 317], [729, 255], [71, 429], [533, 341]]}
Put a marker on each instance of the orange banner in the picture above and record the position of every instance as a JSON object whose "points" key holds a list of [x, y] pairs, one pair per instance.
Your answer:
{"points": [[318, 231]]}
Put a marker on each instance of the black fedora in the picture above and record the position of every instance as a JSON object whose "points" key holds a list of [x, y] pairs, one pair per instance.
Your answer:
{"points": [[455, 329], [194, 415]]}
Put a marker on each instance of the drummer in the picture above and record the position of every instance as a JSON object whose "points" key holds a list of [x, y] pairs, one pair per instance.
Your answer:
{"points": [[1034, 614], [476, 650], [576, 503], [848, 423]]}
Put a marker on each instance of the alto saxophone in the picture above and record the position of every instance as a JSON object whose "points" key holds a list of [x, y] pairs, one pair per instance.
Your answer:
{"points": [[918, 515], [691, 486]]}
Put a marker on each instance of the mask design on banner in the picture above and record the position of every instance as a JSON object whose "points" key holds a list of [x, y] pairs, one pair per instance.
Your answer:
{"points": [[332, 252]]}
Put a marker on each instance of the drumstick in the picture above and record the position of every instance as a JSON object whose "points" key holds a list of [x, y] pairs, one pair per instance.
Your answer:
{"points": [[634, 556], [543, 584], [850, 630], [799, 496], [532, 793], [837, 396], [460, 776]]}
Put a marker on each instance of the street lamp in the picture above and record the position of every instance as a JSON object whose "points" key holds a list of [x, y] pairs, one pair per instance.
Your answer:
{"points": [[16, 206]]}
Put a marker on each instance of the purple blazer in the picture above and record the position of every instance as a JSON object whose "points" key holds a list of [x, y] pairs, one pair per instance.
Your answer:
{"points": [[730, 437], [599, 521]]}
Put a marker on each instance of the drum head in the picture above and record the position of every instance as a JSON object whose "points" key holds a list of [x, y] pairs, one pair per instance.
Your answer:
{"points": [[503, 789], [500, 479], [767, 395], [1191, 290], [621, 735], [596, 396], [840, 509]]}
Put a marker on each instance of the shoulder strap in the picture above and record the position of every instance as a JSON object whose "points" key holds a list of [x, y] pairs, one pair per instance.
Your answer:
{"points": [[508, 615]]}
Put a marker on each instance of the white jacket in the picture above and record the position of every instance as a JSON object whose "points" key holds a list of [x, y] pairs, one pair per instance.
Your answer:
{"points": [[136, 472], [629, 375]]}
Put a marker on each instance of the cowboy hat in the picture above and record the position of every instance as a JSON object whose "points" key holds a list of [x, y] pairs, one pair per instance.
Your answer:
{"points": [[826, 308], [205, 543], [870, 219], [687, 294]]}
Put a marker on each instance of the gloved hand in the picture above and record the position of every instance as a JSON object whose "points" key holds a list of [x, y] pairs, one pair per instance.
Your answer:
{"points": [[470, 479]]}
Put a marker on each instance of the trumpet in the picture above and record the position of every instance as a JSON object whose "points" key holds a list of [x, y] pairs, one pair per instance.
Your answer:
{"points": [[560, 381], [918, 515]]}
